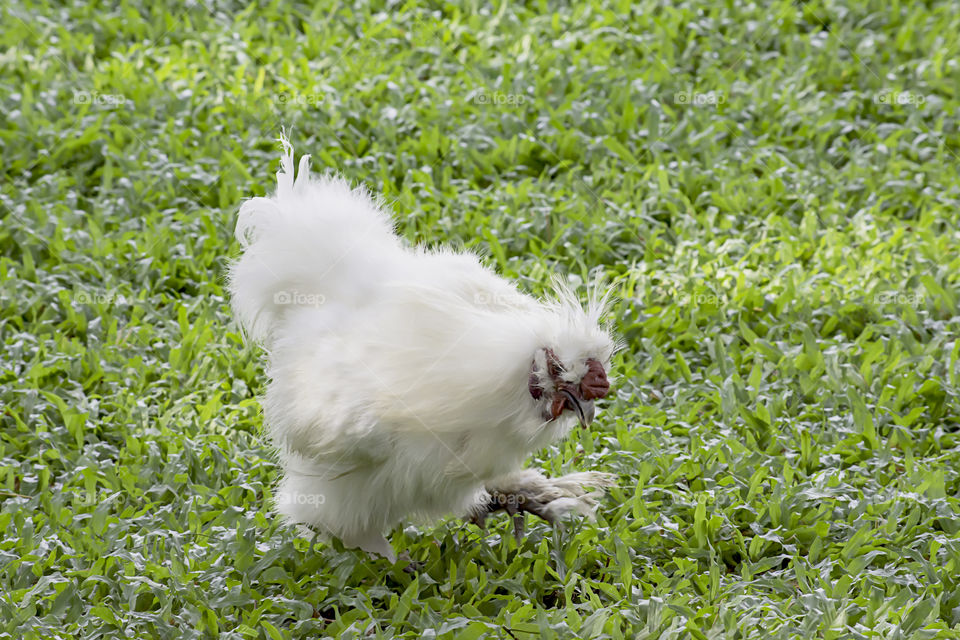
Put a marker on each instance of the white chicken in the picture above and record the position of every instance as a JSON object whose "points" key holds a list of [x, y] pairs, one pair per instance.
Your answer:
{"points": [[405, 383]]}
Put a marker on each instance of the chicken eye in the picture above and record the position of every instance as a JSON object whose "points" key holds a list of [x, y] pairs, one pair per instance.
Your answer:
{"points": [[554, 366]]}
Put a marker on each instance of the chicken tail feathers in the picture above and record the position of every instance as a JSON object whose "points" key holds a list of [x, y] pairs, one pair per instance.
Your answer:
{"points": [[316, 242]]}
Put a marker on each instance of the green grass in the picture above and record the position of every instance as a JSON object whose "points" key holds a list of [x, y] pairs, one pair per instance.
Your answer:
{"points": [[774, 188]]}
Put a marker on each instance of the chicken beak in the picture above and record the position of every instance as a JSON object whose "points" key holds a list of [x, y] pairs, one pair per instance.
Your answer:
{"points": [[589, 412], [584, 408]]}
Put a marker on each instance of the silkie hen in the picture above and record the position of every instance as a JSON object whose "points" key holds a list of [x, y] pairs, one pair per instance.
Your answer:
{"points": [[405, 382]]}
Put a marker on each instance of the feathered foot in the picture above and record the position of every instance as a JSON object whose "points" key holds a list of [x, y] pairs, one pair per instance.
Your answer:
{"points": [[372, 542], [552, 499]]}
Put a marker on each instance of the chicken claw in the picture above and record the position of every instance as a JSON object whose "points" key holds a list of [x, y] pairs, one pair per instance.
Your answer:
{"points": [[551, 499]]}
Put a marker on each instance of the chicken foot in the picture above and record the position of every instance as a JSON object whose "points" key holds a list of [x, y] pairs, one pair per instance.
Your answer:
{"points": [[551, 499]]}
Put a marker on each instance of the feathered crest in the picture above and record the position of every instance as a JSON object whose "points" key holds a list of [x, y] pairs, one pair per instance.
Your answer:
{"points": [[287, 182], [599, 299]]}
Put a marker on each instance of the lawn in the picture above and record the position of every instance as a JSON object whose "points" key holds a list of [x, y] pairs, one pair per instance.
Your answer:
{"points": [[772, 188]]}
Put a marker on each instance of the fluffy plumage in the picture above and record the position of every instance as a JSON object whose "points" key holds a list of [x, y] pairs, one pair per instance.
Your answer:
{"points": [[403, 382]]}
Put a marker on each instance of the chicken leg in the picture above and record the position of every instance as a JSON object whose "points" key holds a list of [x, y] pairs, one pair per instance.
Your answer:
{"points": [[552, 499]]}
